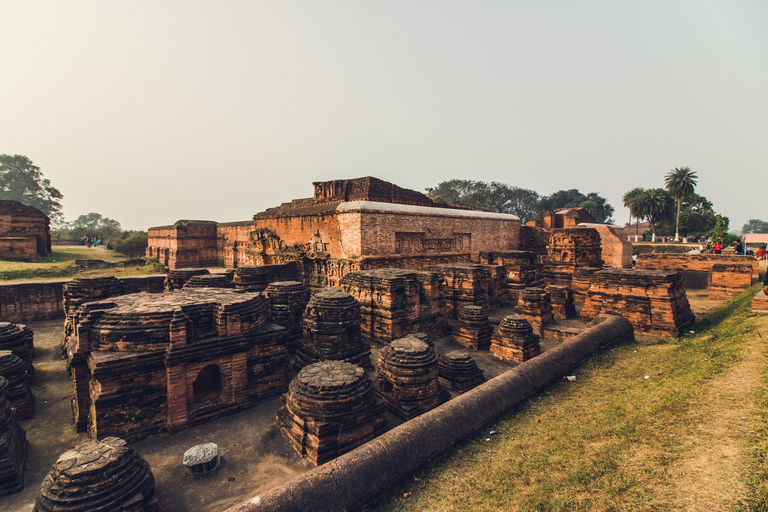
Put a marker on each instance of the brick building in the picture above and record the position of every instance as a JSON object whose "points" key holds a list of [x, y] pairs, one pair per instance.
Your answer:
{"points": [[24, 231], [348, 225]]}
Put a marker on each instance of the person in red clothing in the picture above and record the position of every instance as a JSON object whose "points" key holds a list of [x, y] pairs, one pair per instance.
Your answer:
{"points": [[717, 248], [760, 253]]}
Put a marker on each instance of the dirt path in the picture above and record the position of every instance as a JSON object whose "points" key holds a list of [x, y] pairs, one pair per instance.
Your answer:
{"points": [[709, 476]]}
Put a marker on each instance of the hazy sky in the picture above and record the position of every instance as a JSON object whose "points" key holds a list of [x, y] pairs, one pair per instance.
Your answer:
{"points": [[153, 111]]}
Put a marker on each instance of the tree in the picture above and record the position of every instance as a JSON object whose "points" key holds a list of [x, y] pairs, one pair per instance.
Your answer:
{"points": [[631, 200], [755, 226], [90, 224], [22, 181], [655, 205], [494, 197], [680, 182], [594, 203]]}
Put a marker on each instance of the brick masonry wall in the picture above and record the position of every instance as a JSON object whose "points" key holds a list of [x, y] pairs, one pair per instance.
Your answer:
{"points": [[42, 300], [692, 262], [18, 248], [616, 250]]}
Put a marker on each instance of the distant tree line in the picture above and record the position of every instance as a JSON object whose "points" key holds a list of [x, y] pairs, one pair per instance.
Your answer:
{"points": [[523, 202], [22, 181]]}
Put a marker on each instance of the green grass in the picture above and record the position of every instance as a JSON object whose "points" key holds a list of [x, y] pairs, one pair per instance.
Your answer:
{"points": [[608, 441], [60, 263]]}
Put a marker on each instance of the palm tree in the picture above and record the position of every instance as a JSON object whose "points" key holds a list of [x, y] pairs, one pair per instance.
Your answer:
{"points": [[655, 205], [679, 182], [632, 201]]}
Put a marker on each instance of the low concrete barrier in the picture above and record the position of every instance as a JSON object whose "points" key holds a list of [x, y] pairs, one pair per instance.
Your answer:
{"points": [[357, 478]]}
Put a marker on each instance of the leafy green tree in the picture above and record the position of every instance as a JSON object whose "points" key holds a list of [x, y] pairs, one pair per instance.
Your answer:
{"points": [[680, 182], [631, 200], [755, 226], [88, 225], [130, 243], [22, 181], [655, 205], [696, 218], [720, 230], [595, 204], [494, 197]]}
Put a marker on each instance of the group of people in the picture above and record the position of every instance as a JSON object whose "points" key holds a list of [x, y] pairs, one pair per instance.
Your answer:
{"points": [[92, 241]]}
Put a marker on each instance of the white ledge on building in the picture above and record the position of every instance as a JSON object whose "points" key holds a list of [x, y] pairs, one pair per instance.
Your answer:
{"points": [[373, 206]]}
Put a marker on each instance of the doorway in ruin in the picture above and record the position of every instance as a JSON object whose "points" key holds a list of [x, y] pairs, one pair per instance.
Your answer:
{"points": [[207, 387]]}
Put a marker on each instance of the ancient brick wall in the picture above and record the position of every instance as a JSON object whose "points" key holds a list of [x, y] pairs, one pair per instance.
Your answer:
{"points": [[568, 249], [696, 269], [18, 248], [616, 250], [652, 300], [20, 220], [188, 243], [729, 279]]}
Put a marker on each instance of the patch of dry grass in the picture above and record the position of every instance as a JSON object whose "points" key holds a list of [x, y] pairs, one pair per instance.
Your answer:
{"points": [[615, 440]]}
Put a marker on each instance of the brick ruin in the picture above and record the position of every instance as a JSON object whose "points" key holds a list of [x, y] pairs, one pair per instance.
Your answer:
{"points": [[82, 290], [616, 250], [515, 340], [330, 408], [561, 302], [349, 225], [397, 302], [569, 249], [472, 284], [25, 231], [561, 218], [175, 279], [724, 275], [99, 475], [535, 305], [287, 302], [524, 268], [14, 370], [473, 329], [13, 445], [146, 363], [407, 378], [19, 339], [729, 279], [332, 331], [458, 371], [653, 301]]}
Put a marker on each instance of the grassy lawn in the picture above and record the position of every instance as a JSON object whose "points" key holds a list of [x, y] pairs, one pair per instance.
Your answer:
{"points": [[679, 425], [61, 263]]}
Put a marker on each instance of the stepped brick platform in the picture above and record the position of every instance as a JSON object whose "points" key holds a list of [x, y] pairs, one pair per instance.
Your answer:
{"points": [[426, 338], [760, 302], [653, 301], [288, 300], [210, 281], [729, 279], [396, 302], [473, 330], [13, 445], [82, 290], [15, 372], [569, 249], [534, 304], [581, 281], [523, 269], [472, 284], [561, 298], [175, 279], [515, 340], [330, 409], [332, 331], [407, 379], [145, 363], [458, 371], [256, 278], [99, 476], [19, 339]]}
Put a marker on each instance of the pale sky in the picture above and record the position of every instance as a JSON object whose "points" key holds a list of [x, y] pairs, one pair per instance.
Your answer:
{"points": [[153, 111]]}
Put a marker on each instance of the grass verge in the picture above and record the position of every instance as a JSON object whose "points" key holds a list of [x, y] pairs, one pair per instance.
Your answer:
{"points": [[616, 438], [60, 263]]}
